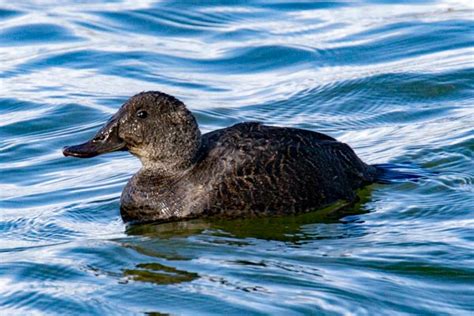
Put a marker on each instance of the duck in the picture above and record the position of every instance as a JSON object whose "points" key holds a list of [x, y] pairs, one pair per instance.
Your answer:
{"points": [[246, 170]]}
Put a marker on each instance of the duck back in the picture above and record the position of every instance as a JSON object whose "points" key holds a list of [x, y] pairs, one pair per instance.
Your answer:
{"points": [[254, 169]]}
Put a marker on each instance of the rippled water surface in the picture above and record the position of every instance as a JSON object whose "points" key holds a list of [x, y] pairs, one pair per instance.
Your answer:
{"points": [[393, 79]]}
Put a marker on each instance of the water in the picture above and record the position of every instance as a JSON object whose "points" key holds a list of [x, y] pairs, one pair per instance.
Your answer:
{"points": [[393, 79]]}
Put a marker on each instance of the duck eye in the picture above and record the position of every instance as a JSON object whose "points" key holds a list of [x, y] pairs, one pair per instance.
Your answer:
{"points": [[142, 114]]}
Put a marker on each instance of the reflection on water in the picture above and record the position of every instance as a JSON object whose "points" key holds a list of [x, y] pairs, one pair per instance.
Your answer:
{"points": [[393, 79], [283, 228], [159, 274]]}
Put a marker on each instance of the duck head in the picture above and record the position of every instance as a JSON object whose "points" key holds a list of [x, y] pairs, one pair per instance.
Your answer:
{"points": [[154, 126]]}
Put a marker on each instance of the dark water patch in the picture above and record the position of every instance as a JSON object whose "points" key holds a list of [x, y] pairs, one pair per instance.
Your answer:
{"points": [[263, 58], [151, 23], [304, 5], [391, 2], [148, 69], [6, 14], [35, 34], [159, 274], [41, 121], [168, 21], [34, 301], [416, 40], [34, 272], [87, 59]]}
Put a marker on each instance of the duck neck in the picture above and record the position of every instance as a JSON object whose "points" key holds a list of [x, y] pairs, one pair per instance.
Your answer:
{"points": [[165, 169], [175, 154]]}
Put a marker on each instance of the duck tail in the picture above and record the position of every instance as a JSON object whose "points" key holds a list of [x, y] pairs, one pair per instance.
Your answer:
{"points": [[390, 173]]}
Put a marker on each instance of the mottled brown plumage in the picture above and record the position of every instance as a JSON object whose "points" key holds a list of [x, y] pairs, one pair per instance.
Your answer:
{"points": [[248, 169]]}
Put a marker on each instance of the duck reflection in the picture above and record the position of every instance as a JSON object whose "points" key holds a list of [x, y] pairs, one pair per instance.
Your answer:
{"points": [[174, 249], [159, 274], [281, 228]]}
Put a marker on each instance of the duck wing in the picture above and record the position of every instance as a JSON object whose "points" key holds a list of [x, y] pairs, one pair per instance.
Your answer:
{"points": [[258, 168]]}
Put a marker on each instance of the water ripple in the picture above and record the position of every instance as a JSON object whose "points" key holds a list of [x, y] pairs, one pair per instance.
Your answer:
{"points": [[392, 79]]}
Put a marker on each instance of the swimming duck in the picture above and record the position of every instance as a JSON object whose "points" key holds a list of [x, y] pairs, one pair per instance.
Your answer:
{"points": [[248, 169]]}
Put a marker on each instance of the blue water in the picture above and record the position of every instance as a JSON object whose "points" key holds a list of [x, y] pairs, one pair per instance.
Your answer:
{"points": [[394, 79]]}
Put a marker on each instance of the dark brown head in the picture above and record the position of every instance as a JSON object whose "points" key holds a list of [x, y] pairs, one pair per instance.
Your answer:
{"points": [[154, 126]]}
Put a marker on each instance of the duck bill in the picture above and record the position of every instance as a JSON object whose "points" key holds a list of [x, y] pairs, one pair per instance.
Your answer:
{"points": [[105, 141]]}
